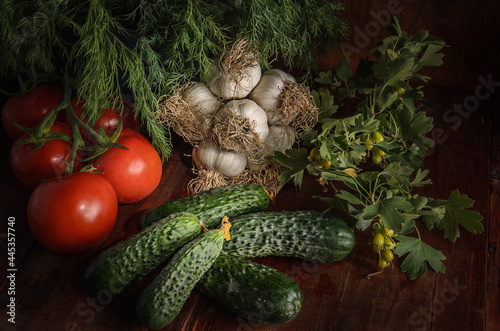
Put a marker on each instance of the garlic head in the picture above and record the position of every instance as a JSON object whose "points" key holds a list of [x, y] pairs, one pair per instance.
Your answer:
{"points": [[234, 84], [267, 93], [281, 138], [199, 97], [228, 163]]}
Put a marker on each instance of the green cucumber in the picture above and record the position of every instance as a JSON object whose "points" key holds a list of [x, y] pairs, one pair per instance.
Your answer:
{"points": [[213, 204], [122, 266], [164, 298], [252, 290], [309, 235]]}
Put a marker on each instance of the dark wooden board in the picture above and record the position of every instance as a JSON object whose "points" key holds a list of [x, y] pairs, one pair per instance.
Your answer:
{"points": [[337, 296], [49, 293]]}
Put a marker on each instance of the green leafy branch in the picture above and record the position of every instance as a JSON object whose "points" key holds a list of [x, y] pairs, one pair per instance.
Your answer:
{"points": [[373, 157]]}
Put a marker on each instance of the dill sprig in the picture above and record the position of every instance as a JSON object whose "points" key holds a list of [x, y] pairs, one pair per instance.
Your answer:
{"points": [[149, 48]]}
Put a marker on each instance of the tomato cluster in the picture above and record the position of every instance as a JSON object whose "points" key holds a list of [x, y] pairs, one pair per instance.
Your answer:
{"points": [[73, 209]]}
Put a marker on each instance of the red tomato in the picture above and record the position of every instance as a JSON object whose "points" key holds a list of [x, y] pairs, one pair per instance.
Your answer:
{"points": [[74, 213], [29, 166], [134, 172], [29, 110], [109, 119]]}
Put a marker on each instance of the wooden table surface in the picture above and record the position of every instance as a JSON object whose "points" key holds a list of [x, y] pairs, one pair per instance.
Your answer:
{"points": [[337, 296]]}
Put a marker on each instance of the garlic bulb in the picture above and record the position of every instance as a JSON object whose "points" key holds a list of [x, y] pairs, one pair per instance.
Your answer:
{"points": [[267, 93], [229, 121], [199, 98], [227, 163], [281, 138], [195, 123], [234, 84]]}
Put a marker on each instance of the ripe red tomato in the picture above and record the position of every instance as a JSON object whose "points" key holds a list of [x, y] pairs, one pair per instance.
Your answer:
{"points": [[109, 119], [73, 214], [29, 166], [29, 110], [134, 172]]}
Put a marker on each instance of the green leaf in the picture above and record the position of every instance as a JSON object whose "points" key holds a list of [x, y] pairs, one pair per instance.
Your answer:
{"points": [[389, 211], [325, 103], [414, 126], [366, 216], [343, 71], [431, 57], [419, 255], [348, 196], [295, 160], [391, 72], [397, 176], [420, 180], [457, 214], [407, 226], [419, 36], [389, 101]]}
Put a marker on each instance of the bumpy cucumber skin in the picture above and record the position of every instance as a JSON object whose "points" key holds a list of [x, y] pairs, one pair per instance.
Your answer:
{"points": [[309, 235], [163, 299], [122, 266], [252, 290], [212, 205]]}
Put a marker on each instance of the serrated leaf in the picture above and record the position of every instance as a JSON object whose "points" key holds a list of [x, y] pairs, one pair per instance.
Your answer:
{"points": [[366, 216], [456, 214], [413, 126], [389, 101], [295, 160], [326, 104], [419, 36], [389, 211], [324, 77], [348, 196], [431, 57], [363, 223], [419, 255], [393, 71], [430, 221], [420, 180], [343, 71], [407, 227], [418, 202]]}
